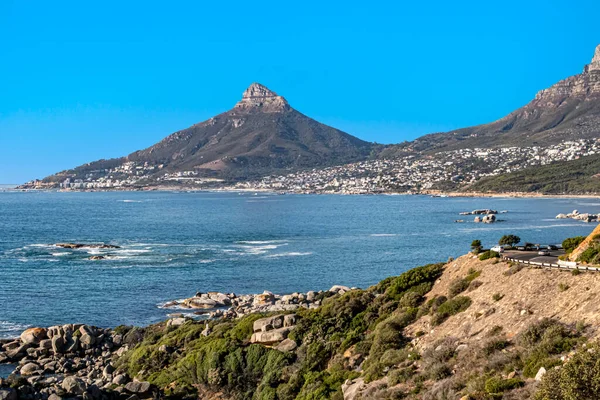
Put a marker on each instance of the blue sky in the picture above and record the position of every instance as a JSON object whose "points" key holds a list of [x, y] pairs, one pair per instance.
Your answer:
{"points": [[85, 80]]}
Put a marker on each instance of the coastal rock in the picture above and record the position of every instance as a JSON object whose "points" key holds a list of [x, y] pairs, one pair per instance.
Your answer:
{"points": [[138, 387], [8, 394], [73, 385], [263, 299], [33, 335], [271, 336], [176, 321], [95, 258], [339, 289], [540, 374], [286, 346], [30, 369]]}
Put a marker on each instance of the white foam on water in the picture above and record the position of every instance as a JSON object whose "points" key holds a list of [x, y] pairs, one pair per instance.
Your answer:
{"points": [[260, 241], [207, 261], [61, 254], [383, 234], [290, 254], [10, 329], [130, 201]]}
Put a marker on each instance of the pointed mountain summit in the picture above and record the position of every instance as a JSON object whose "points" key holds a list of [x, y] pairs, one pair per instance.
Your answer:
{"points": [[260, 135], [568, 110], [259, 98]]}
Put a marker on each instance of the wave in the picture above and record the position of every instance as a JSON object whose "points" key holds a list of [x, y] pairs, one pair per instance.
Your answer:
{"points": [[10, 329], [61, 254], [290, 254], [130, 201], [260, 241], [383, 234]]}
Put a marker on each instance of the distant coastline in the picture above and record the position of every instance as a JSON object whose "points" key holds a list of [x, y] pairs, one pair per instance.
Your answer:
{"points": [[433, 193]]}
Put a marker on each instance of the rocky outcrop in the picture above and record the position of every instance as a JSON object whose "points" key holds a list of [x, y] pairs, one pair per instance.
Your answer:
{"points": [[72, 360], [272, 330], [583, 246], [259, 97], [579, 216], [484, 211], [221, 305]]}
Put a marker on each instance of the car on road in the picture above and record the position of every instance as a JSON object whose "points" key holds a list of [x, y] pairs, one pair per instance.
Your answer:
{"points": [[544, 252], [498, 249], [552, 247]]}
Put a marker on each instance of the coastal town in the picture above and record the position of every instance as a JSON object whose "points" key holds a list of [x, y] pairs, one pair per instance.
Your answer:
{"points": [[415, 173], [412, 173]]}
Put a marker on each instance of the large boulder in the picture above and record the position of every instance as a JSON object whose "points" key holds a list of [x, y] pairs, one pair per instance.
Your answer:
{"points": [[138, 387], [73, 385], [268, 323], [270, 337], [286, 346], [58, 344], [8, 394], [264, 299], [30, 369], [33, 335]]}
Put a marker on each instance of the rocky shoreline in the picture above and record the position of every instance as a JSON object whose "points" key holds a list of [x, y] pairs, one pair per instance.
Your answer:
{"points": [[230, 305], [81, 361]]}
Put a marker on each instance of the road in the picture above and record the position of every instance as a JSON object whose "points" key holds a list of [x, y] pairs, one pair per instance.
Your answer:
{"points": [[533, 256]]}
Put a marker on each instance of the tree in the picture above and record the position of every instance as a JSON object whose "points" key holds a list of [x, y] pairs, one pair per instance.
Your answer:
{"points": [[476, 246], [571, 244], [509, 240]]}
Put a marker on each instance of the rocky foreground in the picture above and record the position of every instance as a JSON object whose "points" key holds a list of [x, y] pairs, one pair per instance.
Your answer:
{"points": [[467, 329]]}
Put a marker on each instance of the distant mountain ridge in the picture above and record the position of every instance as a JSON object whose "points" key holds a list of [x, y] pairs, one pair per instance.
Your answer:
{"points": [[260, 135], [568, 110]]}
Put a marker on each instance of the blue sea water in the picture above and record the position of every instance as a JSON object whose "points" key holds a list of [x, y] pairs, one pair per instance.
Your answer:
{"points": [[175, 244]]}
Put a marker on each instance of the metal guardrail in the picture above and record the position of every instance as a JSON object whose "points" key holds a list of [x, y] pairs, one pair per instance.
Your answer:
{"points": [[553, 265]]}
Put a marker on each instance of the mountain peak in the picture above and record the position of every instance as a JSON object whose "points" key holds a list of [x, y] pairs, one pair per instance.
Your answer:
{"points": [[260, 98], [595, 64]]}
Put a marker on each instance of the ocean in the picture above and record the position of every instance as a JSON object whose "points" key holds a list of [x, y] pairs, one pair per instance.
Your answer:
{"points": [[174, 244]]}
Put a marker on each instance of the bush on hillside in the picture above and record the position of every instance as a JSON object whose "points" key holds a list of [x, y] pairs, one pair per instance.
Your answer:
{"points": [[571, 244], [486, 255]]}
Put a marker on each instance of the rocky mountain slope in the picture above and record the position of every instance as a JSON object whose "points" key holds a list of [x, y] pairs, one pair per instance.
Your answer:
{"points": [[466, 329], [261, 134], [568, 110]]}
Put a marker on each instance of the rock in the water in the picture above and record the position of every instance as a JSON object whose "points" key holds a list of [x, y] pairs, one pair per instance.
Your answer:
{"points": [[33, 335]]}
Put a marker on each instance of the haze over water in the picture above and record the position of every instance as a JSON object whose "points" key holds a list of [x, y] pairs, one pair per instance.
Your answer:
{"points": [[175, 244]]}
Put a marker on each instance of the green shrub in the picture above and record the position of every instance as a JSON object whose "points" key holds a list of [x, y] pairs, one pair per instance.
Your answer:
{"points": [[486, 255], [499, 386], [472, 274], [457, 286], [577, 379], [563, 287], [590, 255], [575, 272], [571, 244], [497, 296], [401, 375], [495, 345], [449, 308]]}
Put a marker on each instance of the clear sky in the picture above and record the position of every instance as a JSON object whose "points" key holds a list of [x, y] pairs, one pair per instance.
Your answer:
{"points": [[83, 80]]}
